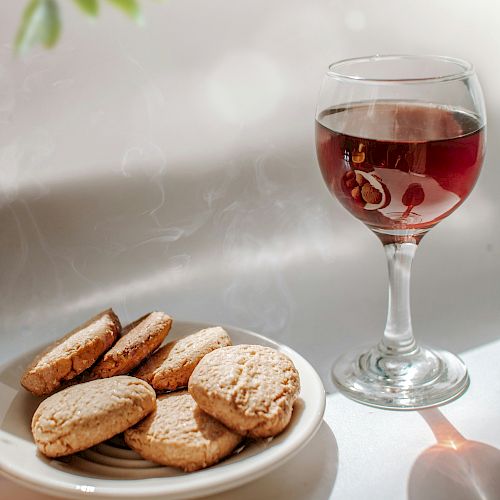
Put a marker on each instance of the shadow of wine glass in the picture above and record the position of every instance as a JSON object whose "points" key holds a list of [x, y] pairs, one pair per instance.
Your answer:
{"points": [[455, 467]]}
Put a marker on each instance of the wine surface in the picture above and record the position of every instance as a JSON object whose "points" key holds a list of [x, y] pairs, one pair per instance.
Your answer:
{"points": [[399, 166]]}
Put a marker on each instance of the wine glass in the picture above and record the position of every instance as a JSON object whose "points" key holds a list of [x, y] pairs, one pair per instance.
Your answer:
{"points": [[400, 141]]}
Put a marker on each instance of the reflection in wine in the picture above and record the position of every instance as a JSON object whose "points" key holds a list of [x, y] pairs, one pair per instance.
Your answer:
{"points": [[399, 165]]}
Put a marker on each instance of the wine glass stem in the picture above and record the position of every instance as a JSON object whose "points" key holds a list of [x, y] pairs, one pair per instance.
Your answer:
{"points": [[398, 335]]}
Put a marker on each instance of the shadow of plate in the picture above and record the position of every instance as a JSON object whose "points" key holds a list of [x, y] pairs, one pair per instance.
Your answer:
{"points": [[310, 474]]}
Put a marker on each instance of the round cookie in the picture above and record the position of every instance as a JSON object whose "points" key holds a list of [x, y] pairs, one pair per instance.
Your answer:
{"points": [[249, 388], [71, 355], [84, 415], [179, 434], [140, 339], [171, 366]]}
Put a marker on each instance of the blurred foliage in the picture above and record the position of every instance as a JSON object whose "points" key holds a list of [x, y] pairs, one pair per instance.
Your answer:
{"points": [[41, 21]]}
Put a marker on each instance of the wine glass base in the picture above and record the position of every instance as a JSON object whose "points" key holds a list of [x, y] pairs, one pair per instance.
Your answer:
{"points": [[419, 379]]}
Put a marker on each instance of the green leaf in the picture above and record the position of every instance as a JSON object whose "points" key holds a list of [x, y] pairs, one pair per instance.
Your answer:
{"points": [[90, 7], [52, 24], [40, 24], [130, 7]]}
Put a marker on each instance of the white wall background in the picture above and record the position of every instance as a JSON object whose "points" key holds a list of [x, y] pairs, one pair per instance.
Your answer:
{"points": [[173, 167]]}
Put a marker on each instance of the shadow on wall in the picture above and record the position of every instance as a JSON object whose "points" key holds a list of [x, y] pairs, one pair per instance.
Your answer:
{"points": [[72, 239], [455, 467]]}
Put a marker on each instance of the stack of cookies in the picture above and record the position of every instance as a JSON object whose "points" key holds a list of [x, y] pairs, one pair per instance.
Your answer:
{"points": [[186, 404]]}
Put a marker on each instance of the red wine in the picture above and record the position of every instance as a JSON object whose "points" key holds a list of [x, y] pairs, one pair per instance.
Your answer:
{"points": [[399, 166]]}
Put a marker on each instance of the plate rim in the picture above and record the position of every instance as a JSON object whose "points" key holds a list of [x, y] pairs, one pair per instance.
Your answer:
{"points": [[239, 476]]}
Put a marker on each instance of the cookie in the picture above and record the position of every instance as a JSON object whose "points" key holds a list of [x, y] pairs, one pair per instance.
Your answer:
{"points": [[249, 388], [179, 434], [71, 355], [141, 338], [84, 415], [171, 366]]}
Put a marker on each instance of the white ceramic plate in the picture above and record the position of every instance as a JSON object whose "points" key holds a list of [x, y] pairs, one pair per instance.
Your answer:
{"points": [[110, 471]]}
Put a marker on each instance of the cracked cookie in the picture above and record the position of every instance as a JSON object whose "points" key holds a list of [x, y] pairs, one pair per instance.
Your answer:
{"points": [[250, 388], [84, 415], [171, 366], [71, 355], [179, 434]]}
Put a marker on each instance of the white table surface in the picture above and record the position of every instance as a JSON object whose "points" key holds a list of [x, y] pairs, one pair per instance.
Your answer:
{"points": [[361, 452]]}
